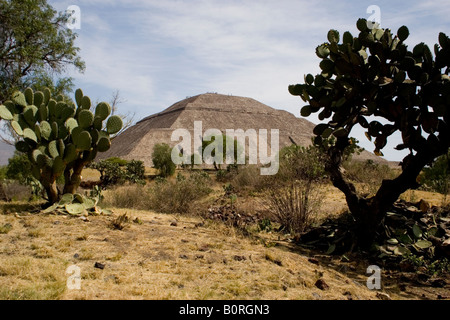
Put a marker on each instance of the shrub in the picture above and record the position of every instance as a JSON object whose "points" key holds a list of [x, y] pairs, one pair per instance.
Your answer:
{"points": [[162, 160], [128, 196], [19, 168], [437, 177], [135, 171], [178, 196], [110, 172], [294, 206], [121, 162]]}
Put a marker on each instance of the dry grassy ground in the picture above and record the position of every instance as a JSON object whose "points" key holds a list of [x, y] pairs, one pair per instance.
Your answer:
{"points": [[162, 256]]}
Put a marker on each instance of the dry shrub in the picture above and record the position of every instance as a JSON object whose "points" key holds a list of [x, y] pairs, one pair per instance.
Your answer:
{"points": [[295, 206], [179, 196], [128, 196]]}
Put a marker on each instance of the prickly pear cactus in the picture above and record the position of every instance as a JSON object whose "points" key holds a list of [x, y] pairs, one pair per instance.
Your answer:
{"points": [[60, 137]]}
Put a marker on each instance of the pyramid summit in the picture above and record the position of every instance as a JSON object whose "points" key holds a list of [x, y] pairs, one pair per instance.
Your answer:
{"points": [[218, 111]]}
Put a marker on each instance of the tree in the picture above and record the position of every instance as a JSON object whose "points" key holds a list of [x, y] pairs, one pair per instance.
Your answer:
{"points": [[375, 81], [34, 44], [59, 137], [162, 159], [437, 177]]}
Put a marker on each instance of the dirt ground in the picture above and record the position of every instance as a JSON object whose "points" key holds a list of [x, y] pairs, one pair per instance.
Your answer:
{"points": [[161, 256]]}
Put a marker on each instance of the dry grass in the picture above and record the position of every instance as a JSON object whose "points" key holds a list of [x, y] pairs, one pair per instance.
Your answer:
{"points": [[156, 259]]}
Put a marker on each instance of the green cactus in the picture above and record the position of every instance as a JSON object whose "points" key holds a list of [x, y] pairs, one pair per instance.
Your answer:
{"points": [[5, 113], [83, 141], [71, 124], [38, 99], [46, 130], [59, 137], [53, 149], [85, 118], [102, 110], [114, 124]]}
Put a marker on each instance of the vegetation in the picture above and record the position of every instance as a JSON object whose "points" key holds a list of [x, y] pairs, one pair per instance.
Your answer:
{"points": [[437, 176], [375, 75], [219, 149], [59, 138], [162, 160], [35, 44], [116, 171]]}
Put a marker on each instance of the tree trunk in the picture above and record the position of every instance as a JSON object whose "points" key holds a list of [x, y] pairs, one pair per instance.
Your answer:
{"points": [[369, 212]]}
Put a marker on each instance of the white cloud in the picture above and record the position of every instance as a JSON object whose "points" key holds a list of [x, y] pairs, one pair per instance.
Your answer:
{"points": [[158, 52]]}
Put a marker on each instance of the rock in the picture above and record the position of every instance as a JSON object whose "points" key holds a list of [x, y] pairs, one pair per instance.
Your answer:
{"points": [[99, 265], [321, 284], [348, 294], [173, 224], [383, 296], [183, 256], [76, 255], [313, 260], [239, 258]]}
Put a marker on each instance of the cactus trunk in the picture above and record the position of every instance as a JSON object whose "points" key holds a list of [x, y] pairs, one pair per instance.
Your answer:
{"points": [[73, 177]]}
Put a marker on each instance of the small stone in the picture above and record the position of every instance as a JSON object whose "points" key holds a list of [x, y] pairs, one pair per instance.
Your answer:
{"points": [[239, 258], [313, 260], [173, 224], [383, 296], [99, 265], [438, 283], [321, 284], [183, 256], [76, 255]]}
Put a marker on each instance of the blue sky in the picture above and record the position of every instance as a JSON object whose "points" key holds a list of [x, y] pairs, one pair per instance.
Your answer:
{"points": [[159, 52]]}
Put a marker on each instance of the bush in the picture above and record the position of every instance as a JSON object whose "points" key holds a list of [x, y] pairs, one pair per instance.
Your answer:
{"points": [[129, 196], [178, 196], [437, 177], [19, 168], [135, 171], [162, 160], [110, 172], [119, 161], [294, 206]]}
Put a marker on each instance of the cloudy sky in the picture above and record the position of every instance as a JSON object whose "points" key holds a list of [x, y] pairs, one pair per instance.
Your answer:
{"points": [[161, 51]]}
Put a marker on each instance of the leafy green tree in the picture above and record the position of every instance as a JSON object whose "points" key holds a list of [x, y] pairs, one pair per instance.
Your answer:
{"points": [[34, 43], [19, 168], [375, 81], [162, 160]]}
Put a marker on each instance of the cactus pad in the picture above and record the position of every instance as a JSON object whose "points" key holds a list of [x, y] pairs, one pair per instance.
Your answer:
{"points": [[85, 118], [103, 144], [17, 128], [102, 110], [114, 124], [5, 113], [71, 124], [83, 141], [86, 102], [30, 134], [53, 149], [78, 97], [58, 166], [29, 95], [46, 130], [19, 98], [22, 146], [38, 99], [74, 208]]}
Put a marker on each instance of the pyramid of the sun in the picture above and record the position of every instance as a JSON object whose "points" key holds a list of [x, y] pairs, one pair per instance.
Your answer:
{"points": [[214, 111]]}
